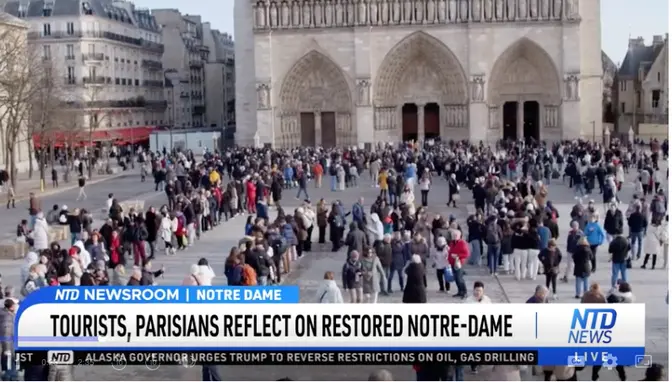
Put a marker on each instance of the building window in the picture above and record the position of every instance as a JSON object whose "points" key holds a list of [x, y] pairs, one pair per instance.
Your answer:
{"points": [[116, 81], [130, 82], [46, 52], [137, 82], [658, 76], [639, 99], [70, 28], [71, 75], [655, 98], [46, 29], [70, 51], [123, 81], [622, 107]]}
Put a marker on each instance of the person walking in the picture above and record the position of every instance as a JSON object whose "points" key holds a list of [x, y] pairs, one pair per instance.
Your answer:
{"points": [[11, 196], [551, 258], [373, 276], [583, 258], [425, 184], [440, 262], [415, 290], [352, 277], [595, 235], [81, 181], [653, 245]]}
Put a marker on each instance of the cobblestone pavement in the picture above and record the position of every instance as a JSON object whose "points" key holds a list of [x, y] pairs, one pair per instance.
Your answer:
{"points": [[309, 271], [26, 185], [125, 186]]}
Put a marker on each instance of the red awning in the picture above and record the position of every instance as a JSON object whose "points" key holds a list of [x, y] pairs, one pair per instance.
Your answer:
{"points": [[124, 135], [131, 134]]}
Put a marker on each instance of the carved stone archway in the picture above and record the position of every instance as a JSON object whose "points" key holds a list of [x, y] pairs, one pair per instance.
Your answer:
{"points": [[525, 72], [420, 69], [315, 84]]}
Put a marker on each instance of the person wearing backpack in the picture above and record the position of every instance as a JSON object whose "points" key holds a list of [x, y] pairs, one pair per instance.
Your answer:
{"points": [[248, 275], [493, 240]]}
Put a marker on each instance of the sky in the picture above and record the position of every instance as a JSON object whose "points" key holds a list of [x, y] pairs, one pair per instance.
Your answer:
{"points": [[620, 19]]}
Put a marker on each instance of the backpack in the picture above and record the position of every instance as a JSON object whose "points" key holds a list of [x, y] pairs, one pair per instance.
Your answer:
{"points": [[279, 246], [491, 234], [249, 276]]}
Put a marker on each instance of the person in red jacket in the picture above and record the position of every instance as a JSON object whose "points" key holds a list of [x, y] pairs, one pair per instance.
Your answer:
{"points": [[457, 256], [251, 189]]}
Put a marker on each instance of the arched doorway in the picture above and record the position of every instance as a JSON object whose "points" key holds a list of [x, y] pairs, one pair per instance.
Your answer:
{"points": [[409, 122], [419, 70], [524, 83], [315, 105]]}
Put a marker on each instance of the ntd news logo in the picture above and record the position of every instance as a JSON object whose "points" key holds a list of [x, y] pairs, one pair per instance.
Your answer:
{"points": [[592, 326]]}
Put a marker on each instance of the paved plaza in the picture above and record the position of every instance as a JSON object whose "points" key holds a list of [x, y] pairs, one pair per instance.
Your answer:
{"points": [[650, 286]]}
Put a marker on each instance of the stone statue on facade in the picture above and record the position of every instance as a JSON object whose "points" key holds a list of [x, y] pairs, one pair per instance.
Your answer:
{"points": [[273, 15], [363, 12], [328, 14], [487, 10], [533, 9], [374, 12], [464, 10], [442, 11], [350, 11], [296, 13], [284, 11], [572, 10], [363, 87], [318, 14], [419, 13], [522, 10], [545, 9], [571, 87], [431, 11], [396, 12], [338, 12], [452, 10], [476, 10], [263, 97], [557, 9], [408, 11], [477, 85], [511, 10], [307, 13], [499, 10], [260, 16]]}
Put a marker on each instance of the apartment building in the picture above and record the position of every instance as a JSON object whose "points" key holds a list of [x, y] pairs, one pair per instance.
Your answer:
{"points": [[642, 82], [220, 78], [108, 56], [184, 59]]}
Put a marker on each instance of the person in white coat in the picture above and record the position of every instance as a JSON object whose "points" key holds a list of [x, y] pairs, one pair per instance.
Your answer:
{"points": [[167, 234], [440, 262], [376, 229], [40, 233], [84, 255], [654, 244], [328, 292], [205, 272], [28, 261]]}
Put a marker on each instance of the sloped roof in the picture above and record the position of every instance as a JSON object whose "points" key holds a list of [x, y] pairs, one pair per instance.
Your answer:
{"points": [[6, 18], [608, 65], [639, 56], [100, 8]]}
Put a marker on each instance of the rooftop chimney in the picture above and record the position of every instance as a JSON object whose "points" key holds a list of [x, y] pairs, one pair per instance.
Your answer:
{"points": [[636, 42], [658, 40]]}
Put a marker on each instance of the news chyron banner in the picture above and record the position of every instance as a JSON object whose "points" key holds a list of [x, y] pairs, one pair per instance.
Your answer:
{"points": [[268, 326]]}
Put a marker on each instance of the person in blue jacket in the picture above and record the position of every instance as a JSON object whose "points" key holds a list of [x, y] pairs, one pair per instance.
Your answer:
{"points": [[595, 235], [544, 236]]}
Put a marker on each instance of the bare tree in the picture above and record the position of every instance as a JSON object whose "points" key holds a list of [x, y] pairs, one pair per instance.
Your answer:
{"points": [[46, 110], [16, 88], [97, 113]]}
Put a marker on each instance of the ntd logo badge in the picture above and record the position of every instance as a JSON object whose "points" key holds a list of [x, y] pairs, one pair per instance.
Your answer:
{"points": [[592, 326]]}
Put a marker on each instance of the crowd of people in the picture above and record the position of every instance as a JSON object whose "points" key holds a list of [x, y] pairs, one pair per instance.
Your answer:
{"points": [[513, 232]]}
